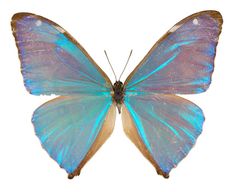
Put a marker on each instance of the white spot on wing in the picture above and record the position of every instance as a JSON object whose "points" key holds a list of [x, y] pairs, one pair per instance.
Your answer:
{"points": [[38, 23], [195, 22], [59, 29], [173, 29]]}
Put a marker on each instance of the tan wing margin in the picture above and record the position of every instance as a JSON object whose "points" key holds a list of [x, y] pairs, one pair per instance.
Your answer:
{"points": [[103, 135], [131, 131]]}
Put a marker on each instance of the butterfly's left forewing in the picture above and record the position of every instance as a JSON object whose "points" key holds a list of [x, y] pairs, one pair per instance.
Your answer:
{"points": [[52, 61]]}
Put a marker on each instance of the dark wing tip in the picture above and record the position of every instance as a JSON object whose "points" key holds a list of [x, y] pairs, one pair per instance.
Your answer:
{"points": [[213, 13], [166, 176], [216, 15], [73, 174], [70, 176], [20, 15], [160, 172]]}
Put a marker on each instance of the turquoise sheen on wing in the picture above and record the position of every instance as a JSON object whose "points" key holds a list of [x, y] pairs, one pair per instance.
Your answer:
{"points": [[67, 127], [62, 68], [183, 62], [165, 126], [168, 126]]}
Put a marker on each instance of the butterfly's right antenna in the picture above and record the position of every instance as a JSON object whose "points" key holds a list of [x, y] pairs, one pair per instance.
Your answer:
{"points": [[110, 64], [126, 64]]}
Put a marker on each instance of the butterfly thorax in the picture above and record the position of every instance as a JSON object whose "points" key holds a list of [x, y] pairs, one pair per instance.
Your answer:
{"points": [[118, 94]]}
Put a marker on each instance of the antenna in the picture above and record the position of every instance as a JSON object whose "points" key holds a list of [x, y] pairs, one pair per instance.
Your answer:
{"points": [[126, 64], [110, 64]]}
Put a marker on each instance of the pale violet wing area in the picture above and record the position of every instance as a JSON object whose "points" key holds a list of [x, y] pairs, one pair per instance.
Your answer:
{"points": [[182, 62], [168, 126], [68, 126], [52, 62]]}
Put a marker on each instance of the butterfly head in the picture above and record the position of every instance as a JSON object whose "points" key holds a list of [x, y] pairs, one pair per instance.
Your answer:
{"points": [[118, 94]]}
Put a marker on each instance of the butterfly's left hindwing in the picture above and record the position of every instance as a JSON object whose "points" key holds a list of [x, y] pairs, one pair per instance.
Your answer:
{"points": [[72, 128]]}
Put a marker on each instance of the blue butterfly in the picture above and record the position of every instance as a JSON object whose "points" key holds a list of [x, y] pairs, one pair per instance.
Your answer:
{"points": [[73, 126]]}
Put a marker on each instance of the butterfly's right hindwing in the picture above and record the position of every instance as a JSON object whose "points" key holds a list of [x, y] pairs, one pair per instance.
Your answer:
{"points": [[163, 127]]}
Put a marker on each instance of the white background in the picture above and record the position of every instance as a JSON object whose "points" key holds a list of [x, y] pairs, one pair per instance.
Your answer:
{"points": [[117, 26]]}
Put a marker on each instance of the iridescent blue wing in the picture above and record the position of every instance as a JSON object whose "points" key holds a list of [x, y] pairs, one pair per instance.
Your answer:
{"points": [[52, 61], [182, 61], [72, 128], [163, 127]]}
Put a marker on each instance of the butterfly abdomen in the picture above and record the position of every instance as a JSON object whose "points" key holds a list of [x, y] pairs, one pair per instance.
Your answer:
{"points": [[118, 94]]}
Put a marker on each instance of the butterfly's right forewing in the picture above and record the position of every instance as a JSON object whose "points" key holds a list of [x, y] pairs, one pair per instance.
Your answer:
{"points": [[182, 61]]}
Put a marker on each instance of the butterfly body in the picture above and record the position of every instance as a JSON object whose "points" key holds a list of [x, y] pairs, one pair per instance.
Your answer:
{"points": [[162, 125], [118, 94]]}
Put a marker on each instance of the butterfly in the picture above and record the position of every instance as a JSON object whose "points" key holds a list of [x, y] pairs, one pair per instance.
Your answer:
{"points": [[162, 125]]}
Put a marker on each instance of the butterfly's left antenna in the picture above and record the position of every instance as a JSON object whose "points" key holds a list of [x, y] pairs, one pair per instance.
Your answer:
{"points": [[110, 65]]}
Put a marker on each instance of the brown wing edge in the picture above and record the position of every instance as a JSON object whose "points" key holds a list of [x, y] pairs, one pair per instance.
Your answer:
{"points": [[104, 134], [18, 16], [214, 14], [131, 132]]}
